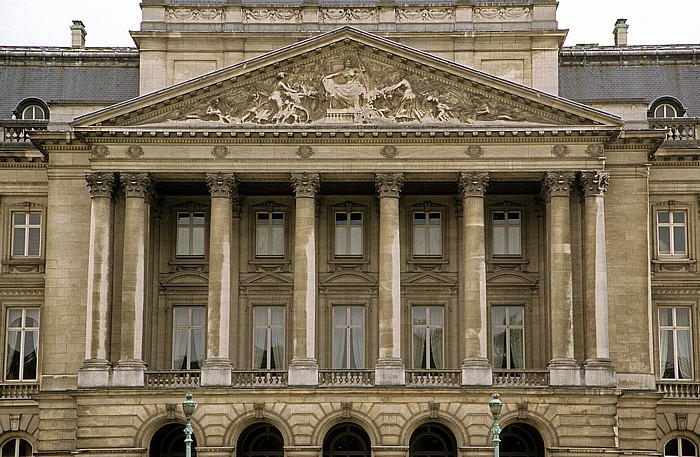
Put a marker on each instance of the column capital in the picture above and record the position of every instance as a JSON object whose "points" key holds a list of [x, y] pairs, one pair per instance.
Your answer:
{"points": [[389, 184], [472, 183], [222, 184], [100, 184], [305, 184], [139, 185], [558, 184], [594, 183]]}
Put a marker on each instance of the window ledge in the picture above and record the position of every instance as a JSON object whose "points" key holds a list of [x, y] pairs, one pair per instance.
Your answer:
{"points": [[427, 263], [24, 265], [674, 264], [272, 264], [507, 263], [349, 263], [199, 264]]}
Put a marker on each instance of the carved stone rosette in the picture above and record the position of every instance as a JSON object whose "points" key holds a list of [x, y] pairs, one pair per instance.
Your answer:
{"points": [[389, 151], [595, 150], [472, 183], [558, 184], [594, 183], [305, 152], [220, 151], [224, 185], [560, 150], [99, 151], [305, 184], [474, 151], [389, 184], [134, 151], [138, 185], [100, 184]]}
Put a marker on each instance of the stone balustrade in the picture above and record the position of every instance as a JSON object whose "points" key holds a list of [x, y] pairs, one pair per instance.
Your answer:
{"points": [[172, 379], [678, 389], [680, 131], [345, 378], [18, 130], [520, 378], [18, 391]]}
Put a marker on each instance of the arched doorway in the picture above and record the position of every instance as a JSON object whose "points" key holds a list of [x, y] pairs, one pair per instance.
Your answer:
{"points": [[521, 440], [169, 441], [433, 440], [346, 440], [260, 440]]}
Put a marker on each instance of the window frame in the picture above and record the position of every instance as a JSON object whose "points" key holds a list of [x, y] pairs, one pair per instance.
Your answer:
{"points": [[267, 353], [678, 436], [22, 330], [427, 354], [506, 225], [671, 224], [666, 101], [30, 102], [17, 440], [674, 328], [270, 227], [189, 328], [507, 327], [27, 227], [348, 229], [348, 328], [205, 233], [673, 206], [427, 210]]}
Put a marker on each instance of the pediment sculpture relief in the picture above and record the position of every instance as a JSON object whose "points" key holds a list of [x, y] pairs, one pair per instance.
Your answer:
{"points": [[352, 89]]}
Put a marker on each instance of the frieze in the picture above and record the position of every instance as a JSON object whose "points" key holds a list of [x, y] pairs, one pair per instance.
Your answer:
{"points": [[347, 86], [502, 14], [347, 15], [272, 15], [421, 14], [194, 14]]}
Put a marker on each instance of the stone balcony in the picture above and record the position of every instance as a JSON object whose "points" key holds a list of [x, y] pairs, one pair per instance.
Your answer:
{"points": [[679, 389], [681, 132], [18, 130]]}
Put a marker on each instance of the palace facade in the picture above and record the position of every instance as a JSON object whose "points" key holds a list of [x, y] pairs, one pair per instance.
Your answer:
{"points": [[342, 227]]}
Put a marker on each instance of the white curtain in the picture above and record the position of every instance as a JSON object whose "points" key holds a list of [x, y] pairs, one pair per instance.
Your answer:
{"points": [[436, 348], [277, 348], [685, 368], [197, 350], [666, 354], [339, 347], [358, 348], [516, 349], [180, 349], [259, 344], [419, 348]]}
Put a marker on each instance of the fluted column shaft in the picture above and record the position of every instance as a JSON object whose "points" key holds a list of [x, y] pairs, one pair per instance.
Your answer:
{"points": [[390, 369], [598, 368], [217, 365], [476, 369], [557, 187], [303, 369], [138, 188], [99, 282]]}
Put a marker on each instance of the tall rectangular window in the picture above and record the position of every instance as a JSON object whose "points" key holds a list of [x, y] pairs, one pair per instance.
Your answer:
{"points": [[428, 339], [348, 234], [427, 234], [190, 234], [675, 343], [188, 337], [671, 233], [506, 233], [21, 353], [508, 337], [268, 337], [348, 337], [26, 234], [269, 234]]}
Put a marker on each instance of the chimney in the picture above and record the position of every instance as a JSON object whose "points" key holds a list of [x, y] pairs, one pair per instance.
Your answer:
{"points": [[78, 33], [620, 32]]}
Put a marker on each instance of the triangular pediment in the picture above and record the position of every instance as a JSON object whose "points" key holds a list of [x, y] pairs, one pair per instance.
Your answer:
{"points": [[428, 279], [267, 279], [346, 77]]}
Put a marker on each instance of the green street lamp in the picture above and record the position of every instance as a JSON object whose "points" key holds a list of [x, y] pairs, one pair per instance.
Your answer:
{"points": [[495, 406], [188, 407]]}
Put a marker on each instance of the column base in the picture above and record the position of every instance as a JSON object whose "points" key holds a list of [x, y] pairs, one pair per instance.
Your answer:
{"points": [[216, 371], [564, 372], [477, 372], [129, 373], [389, 371], [303, 372], [598, 373], [95, 373]]}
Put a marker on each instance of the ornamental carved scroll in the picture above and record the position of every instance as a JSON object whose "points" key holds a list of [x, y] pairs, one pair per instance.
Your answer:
{"points": [[351, 88]]}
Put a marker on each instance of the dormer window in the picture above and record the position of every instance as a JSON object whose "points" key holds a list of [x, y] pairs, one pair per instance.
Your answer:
{"points": [[665, 107], [32, 109]]}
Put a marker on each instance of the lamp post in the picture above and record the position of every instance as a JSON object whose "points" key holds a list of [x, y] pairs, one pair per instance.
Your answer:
{"points": [[495, 406], [188, 407]]}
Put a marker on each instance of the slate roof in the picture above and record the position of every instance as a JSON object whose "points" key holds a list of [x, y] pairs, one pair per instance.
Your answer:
{"points": [[96, 74], [639, 72]]}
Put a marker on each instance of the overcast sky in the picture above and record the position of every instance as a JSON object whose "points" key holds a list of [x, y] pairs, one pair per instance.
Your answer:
{"points": [[47, 22]]}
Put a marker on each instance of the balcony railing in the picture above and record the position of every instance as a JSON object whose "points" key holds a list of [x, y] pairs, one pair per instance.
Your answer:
{"points": [[343, 378], [680, 131], [520, 378], [433, 378], [678, 389], [172, 379], [258, 378], [17, 130], [18, 391]]}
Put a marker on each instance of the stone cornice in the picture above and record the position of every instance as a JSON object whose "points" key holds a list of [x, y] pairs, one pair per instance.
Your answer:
{"points": [[389, 184]]}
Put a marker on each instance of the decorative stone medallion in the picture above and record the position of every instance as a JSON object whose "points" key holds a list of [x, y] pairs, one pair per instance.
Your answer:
{"points": [[134, 151], [305, 152], [595, 150], [389, 151], [99, 151], [474, 151], [560, 150], [220, 151]]}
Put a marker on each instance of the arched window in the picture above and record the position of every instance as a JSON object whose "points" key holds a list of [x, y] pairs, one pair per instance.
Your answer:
{"points": [[666, 107], [260, 440], [680, 447], [521, 440], [32, 109], [169, 441], [33, 112], [16, 447], [432, 440], [346, 440]]}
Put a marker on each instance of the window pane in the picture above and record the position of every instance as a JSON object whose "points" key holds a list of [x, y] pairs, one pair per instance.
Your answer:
{"points": [[664, 240], [357, 348], [357, 315], [435, 241], [356, 218], [356, 241], [197, 349], [499, 348], [499, 218], [683, 317], [663, 217], [277, 241], [671, 448], [436, 349], [517, 356], [15, 317], [34, 218], [13, 355], [198, 316], [180, 349], [18, 242], [499, 315], [679, 217], [419, 241], [183, 241], [515, 315], [436, 316], [685, 367], [261, 239], [679, 240], [31, 341], [688, 447], [34, 240], [197, 241], [19, 218], [341, 241], [278, 315], [341, 217], [277, 218], [514, 240], [181, 316], [32, 317], [499, 240], [665, 316], [419, 315]]}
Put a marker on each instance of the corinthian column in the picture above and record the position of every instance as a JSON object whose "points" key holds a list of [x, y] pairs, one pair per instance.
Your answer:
{"points": [[390, 369], [217, 365], [563, 369], [597, 368], [303, 369], [476, 369], [138, 189], [95, 369]]}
